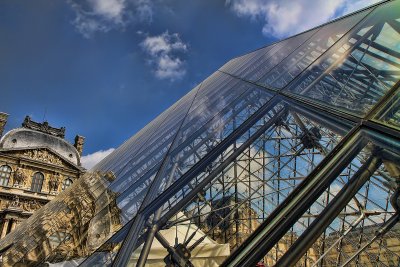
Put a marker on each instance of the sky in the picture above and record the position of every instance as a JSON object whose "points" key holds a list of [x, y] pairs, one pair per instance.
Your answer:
{"points": [[105, 68]]}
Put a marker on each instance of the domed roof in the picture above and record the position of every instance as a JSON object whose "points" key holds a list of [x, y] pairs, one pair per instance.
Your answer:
{"points": [[23, 138]]}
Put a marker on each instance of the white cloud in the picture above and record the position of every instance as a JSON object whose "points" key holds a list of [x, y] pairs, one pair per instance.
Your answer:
{"points": [[104, 15], [90, 160], [144, 10], [109, 9], [351, 6], [163, 51], [283, 18]]}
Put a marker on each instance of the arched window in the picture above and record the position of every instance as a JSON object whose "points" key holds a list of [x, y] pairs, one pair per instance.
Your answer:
{"points": [[37, 182], [66, 183], [5, 173]]}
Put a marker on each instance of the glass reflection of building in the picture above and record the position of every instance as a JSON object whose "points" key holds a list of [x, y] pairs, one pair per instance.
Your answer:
{"points": [[302, 135]]}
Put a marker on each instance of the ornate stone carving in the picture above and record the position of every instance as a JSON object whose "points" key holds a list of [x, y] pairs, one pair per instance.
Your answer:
{"points": [[43, 155], [31, 205], [110, 176], [54, 182], [79, 141], [43, 127], [25, 205], [19, 177], [14, 203]]}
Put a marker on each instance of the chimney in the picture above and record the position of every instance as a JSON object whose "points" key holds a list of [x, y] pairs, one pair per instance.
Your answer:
{"points": [[79, 141], [3, 121]]}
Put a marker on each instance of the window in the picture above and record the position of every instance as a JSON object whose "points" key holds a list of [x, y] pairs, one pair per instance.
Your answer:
{"points": [[66, 183], [5, 173], [37, 182]]}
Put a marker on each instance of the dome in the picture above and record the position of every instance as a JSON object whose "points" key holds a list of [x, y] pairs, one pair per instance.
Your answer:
{"points": [[23, 138]]}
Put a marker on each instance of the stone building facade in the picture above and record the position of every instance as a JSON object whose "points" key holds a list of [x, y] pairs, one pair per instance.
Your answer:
{"points": [[36, 164]]}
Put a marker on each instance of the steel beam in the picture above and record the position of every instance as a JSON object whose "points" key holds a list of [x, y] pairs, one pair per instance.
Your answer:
{"points": [[149, 205], [297, 203], [332, 210]]}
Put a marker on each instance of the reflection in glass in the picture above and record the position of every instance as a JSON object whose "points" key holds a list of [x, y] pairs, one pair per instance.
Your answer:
{"points": [[358, 70], [307, 53], [369, 209], [390, 115], [273, 56]]}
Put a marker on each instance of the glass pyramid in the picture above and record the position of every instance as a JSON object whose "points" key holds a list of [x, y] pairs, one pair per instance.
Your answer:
{"points": [[288, 155]]}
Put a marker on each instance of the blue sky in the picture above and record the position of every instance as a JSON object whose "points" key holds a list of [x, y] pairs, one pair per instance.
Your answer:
{"points": [[105, 68]]}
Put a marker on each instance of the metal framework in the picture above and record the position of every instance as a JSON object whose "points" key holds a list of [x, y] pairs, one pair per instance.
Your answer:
{"points": [[288, 155]]}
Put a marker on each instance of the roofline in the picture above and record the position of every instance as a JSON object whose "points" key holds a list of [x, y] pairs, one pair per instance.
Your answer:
{"points": [[48, 148], [78, 156]]}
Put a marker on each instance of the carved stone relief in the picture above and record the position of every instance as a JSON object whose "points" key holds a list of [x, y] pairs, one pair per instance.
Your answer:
{"points": [[54, 182], [42, 155], [25, 205], [14, 203], [19, 177]]}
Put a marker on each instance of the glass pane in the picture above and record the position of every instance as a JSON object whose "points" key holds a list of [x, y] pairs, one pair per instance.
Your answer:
{"points": [[247, 60], [357, 71], [390, 115], [273, 56], [351, 238], [208, 123], [162, 126], [302, 57], [241, 196]]}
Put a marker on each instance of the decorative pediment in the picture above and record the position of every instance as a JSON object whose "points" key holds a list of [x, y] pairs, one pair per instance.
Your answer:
{"points": [[42, 155]]}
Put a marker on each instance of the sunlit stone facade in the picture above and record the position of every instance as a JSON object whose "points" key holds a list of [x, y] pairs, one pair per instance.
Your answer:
{"points": [[36, 164]]}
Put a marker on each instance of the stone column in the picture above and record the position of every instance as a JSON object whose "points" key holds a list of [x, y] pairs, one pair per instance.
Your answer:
{"points": [[15, 223]]}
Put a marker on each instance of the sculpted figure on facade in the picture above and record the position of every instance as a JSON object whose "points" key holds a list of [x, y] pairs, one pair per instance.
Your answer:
{"points": [[43, 155], [25, 206], [30, 205], [54, 182], [14, 203], [19, 177], [34, 205]]}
